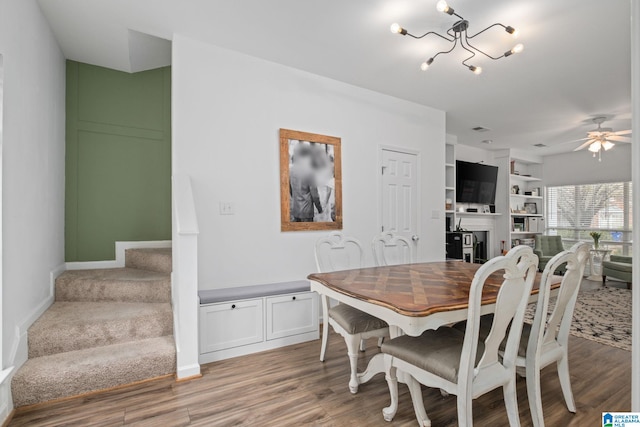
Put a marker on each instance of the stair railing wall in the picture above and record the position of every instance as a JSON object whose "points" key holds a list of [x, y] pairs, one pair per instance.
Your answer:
{"points": [[184, 279]]}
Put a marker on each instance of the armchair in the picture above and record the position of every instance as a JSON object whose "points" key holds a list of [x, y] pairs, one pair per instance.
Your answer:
{"points": [[546, 248], [618, 267]]}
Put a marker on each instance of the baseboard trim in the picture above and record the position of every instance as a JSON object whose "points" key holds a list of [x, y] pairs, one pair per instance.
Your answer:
{"points": [[192, 377], [40, 405], [187, 372], [121, 247], [7, 421]]}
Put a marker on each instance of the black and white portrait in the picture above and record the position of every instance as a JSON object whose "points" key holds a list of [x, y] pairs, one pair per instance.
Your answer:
{"points": [[312, 194]]}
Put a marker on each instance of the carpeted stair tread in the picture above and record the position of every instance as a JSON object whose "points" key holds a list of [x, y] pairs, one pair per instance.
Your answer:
{"points": [[69, 326], [152, 259], [113, 284], [76, 372]]}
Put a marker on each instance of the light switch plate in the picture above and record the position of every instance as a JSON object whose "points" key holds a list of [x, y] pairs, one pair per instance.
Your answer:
{"points": [[227, 208]]}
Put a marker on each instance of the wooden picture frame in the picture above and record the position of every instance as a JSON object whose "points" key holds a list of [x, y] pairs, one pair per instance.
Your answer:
{"points": [[311, 175], [531, 208]]}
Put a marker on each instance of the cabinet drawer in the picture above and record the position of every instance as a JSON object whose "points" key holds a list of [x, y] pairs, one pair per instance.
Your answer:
{"points": [[292, 314], [231, 324]]}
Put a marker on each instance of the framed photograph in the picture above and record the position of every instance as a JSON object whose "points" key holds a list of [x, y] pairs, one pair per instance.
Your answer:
{"points": [[531, 208], [310, 181], [486, 209]]}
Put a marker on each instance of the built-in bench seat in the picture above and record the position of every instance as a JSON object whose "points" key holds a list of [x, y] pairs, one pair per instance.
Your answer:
{"points": [[247, 319], [211, 296]]}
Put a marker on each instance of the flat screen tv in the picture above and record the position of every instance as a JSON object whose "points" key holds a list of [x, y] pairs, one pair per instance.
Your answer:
{"points": [[476, 183]]}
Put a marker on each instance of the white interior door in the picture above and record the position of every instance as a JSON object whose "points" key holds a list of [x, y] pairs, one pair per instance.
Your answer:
{"points": [[400, 193]]}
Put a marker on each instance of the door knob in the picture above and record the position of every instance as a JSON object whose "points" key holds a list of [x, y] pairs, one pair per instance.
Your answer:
{"points": [[415, 238]]}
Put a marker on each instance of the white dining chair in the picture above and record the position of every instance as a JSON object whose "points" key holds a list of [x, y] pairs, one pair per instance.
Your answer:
{"points": [[459, 362], [337, 252], [390, 248], [546, 340]]}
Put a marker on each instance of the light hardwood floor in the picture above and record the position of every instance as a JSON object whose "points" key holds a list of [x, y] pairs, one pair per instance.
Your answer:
{"points": [[291, 387]]}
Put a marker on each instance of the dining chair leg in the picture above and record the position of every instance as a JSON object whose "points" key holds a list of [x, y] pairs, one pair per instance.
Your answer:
{"points": [[353, 344], [565, 383], [416, 397], [511, 402], [390, 375], [325, 326], [363, 345], [380, 341], [465, 409], [534, 394]]}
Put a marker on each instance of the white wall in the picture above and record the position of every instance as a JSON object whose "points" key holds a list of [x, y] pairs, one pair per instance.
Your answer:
{"points": [[227, 110], [466, 153], [581, 168], [32, 166]]}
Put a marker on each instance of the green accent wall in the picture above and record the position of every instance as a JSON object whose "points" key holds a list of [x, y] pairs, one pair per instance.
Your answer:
{"points": [[118, 159]]}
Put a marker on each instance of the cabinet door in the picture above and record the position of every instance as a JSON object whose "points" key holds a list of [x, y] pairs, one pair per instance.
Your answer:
{"points": [[231, 324], [292, 314]]}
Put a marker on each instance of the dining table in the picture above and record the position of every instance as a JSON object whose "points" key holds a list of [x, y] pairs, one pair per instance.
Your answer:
{"points": [[412, 298]]}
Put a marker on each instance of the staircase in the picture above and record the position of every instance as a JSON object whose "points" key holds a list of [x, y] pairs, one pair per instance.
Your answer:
{"points": [[106, 328]]}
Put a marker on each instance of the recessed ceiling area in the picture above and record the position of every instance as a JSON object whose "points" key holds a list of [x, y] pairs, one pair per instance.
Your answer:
{"points": [[575, 64]]}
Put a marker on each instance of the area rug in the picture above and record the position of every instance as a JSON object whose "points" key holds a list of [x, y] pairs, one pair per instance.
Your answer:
{"points": [[601, 315]]}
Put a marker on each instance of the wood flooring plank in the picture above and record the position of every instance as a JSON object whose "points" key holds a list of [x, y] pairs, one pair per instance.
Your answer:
{"points": [[291, 387]]}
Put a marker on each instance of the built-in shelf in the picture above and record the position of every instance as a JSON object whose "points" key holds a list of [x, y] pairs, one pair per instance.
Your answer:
{"points": [[525, 214], [449, 211], [520, 233], [477, 214], [450, 188], [523, 196], [449, 165], [525, 178]]}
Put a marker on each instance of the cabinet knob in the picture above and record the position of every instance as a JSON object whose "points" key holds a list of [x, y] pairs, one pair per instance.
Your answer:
{"points": [[233, 306], [294, 298]]}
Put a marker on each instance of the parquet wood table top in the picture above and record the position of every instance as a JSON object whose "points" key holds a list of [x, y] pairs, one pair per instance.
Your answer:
{"points": [[415, 290]]}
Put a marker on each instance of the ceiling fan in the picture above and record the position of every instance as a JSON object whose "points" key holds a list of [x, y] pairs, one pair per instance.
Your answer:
{"points": [[602, 139]]}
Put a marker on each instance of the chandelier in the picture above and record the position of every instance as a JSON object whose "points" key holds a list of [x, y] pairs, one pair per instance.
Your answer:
{"points": [[457, 34]]}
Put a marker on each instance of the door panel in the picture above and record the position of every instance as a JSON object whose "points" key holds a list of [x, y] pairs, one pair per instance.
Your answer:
{"points": [[399, 193]]}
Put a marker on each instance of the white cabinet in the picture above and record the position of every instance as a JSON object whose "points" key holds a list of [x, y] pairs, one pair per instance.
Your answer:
{"points": [[231, 324], [235, 328], [291, 315]]}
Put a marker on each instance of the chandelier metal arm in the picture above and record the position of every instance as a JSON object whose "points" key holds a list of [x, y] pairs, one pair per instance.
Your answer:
{"points": [[482, 52], [455, 43], [431, 32], [468, 50], [489, 27]]}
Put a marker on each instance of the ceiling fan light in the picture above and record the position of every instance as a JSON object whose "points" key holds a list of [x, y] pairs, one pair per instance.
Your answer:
{"points": [[475, 70], [442, 6], [595, 147], [608, 145], [397, 29]]}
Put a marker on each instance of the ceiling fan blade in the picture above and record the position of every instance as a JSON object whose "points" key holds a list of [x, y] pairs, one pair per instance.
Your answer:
{"points": [[622, 132], [585, 145], [619, 138], [577, 140]]}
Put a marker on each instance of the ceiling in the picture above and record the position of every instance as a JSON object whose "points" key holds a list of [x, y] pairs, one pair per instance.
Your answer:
{"points": [[575, 65]]}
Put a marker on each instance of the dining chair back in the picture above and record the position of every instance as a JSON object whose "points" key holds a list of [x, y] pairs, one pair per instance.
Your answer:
{"points": [[390, 248], [459, 362], [338, 252], [548, 335]]}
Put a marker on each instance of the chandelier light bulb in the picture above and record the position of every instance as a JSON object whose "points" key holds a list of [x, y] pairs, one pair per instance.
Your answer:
{"points": [[517, 48], [509, 29], [397, 29], [442, 6], [475, 70], [608, 145], [425, 65]]}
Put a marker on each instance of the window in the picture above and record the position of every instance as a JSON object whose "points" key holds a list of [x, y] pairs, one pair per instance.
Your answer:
{"points": [[573, 211]]}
